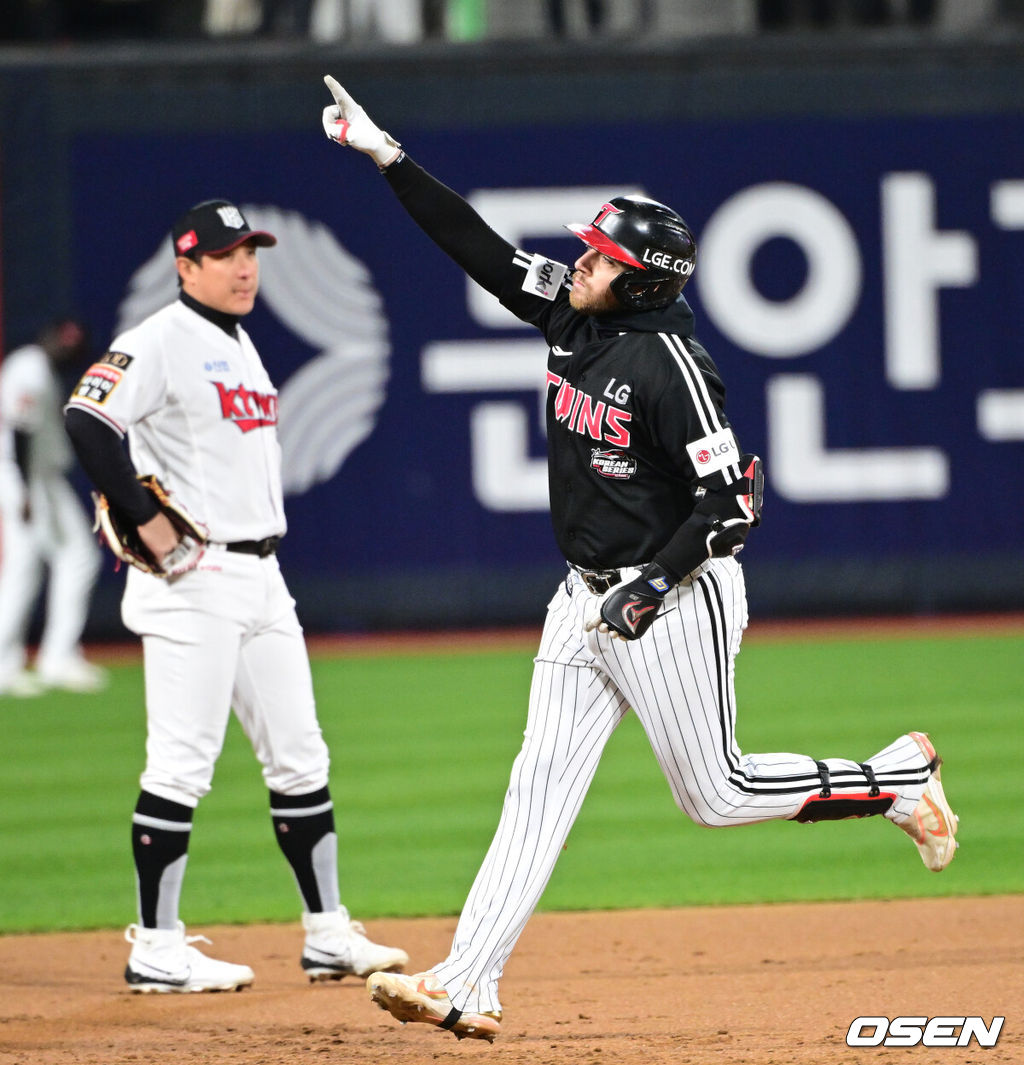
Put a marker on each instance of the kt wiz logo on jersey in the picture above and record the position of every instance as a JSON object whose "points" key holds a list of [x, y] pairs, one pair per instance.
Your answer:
{"points": [[247, 409]]}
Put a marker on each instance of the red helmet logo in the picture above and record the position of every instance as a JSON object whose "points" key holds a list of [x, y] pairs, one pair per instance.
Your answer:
{"points": [[605, 211]]}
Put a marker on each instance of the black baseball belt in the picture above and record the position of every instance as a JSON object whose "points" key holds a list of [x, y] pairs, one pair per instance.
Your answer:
{"points": [[598, 581], [263, 548]]}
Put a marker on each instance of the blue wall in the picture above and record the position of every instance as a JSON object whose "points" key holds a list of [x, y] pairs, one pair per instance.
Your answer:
{"points": [[859, 283]]}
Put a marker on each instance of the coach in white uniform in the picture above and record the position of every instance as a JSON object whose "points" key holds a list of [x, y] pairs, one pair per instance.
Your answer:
{"points": [[188, 390], [43, 521]]}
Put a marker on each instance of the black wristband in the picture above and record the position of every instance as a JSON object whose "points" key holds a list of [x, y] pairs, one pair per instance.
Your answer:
{"points": [[394, 162], [659, 577]]}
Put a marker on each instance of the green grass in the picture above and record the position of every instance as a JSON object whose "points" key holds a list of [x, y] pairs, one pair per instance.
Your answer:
{"points": [[422, 745]]}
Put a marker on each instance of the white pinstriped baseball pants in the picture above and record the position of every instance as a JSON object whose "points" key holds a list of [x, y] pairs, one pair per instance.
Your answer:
{"points": [[678, 679]]}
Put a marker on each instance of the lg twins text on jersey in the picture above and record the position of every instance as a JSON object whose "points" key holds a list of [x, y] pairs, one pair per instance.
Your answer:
{"points": [[635, 421]]}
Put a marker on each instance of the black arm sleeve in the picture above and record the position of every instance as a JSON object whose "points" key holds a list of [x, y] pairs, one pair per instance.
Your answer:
{"points": [[718, 525], [108, 465], [452, 224], [22, 452], [687, 549]]}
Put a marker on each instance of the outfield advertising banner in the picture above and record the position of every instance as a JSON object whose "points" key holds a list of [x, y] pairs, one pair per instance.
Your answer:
{"points": [[860, 284]]}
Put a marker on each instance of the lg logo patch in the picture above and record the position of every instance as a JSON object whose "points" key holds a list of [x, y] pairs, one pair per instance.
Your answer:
{"points": [[929, 1032]]}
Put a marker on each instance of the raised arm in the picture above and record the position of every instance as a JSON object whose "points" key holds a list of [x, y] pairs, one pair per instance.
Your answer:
{"points": [[439, 211]]}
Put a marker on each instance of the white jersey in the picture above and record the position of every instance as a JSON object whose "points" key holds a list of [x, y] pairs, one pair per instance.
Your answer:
{"points": [[200, 412], [30, 402]]}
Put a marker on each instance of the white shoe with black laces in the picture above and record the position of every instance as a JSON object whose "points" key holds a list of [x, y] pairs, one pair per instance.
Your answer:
{"points": [[164, 961], [337, 946]]}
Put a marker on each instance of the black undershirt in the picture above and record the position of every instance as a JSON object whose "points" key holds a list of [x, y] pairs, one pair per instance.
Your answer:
{"points": [[221, 319]]}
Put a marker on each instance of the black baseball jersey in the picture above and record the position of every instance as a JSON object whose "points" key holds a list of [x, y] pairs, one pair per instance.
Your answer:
{"points": [[634, 406]]}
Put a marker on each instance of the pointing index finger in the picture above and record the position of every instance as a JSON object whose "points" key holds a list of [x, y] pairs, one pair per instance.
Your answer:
{"points": [[341, 98]]}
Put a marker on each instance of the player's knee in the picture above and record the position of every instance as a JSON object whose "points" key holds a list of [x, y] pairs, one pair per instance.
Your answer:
{"points": [[699, 812], [715, 819]]}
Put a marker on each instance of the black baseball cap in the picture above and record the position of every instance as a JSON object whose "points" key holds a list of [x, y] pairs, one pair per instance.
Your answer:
{"points": [[215, 226]]}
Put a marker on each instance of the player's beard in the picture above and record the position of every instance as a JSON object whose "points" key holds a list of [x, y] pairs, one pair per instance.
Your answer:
{"points": [[596, 303]]}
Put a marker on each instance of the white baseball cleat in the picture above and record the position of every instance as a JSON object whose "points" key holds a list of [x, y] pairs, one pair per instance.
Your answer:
{"points": [[22, 685], [422, 997], [163, 961], [336, 947], [933, 825], [74, 675]]}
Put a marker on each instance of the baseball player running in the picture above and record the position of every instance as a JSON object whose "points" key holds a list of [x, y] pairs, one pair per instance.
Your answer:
{"points": [[651, 499], [42, 520], [218, 626]]}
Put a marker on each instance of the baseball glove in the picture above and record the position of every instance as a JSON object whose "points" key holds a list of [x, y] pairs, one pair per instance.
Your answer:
{"points": [[122, 537]]}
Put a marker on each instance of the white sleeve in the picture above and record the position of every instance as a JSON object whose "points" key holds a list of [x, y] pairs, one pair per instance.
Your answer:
{"points": [[23, 393], [121, 388]]}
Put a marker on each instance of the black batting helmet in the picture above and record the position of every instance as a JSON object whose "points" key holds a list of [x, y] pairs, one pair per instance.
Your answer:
{"points": [[656, 245]]}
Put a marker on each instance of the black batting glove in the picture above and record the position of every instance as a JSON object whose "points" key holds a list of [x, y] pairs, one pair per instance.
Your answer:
{"points": [[629, 610]]}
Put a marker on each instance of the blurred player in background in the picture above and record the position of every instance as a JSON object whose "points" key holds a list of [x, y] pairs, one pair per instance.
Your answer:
{"points": [[188, 390], [44, 524]]}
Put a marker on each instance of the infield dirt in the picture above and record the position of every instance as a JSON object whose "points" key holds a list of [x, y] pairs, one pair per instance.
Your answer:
{"points": [[743, 985]]}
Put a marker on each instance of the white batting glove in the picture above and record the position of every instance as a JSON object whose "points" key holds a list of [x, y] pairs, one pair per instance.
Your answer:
{"points": [[628, 610], [345, 122]]}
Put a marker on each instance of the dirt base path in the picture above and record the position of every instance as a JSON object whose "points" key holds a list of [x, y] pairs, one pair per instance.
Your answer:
{"points": [[742, 985]]}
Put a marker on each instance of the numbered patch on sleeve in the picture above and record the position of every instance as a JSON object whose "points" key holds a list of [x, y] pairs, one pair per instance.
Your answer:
{"points": [[102, 377], [544, 277]]}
